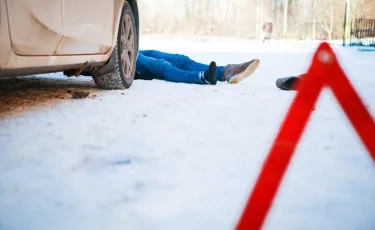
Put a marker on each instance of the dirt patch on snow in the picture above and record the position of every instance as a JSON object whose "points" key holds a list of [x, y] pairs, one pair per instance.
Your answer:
{"points": [[18, 95]]}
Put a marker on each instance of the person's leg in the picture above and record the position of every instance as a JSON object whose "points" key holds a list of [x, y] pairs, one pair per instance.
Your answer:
{"points": [[233, 73], [162, 69], [183, 62], [141, 69]]}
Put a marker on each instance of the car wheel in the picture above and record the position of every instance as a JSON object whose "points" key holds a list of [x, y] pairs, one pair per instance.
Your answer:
{"points": [[119, 72]]}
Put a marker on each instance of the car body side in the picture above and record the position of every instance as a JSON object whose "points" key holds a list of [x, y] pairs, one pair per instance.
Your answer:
{"points": [[55, 48]]}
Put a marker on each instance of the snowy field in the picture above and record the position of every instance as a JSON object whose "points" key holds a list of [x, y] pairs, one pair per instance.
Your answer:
{"points": [[177, 156]]}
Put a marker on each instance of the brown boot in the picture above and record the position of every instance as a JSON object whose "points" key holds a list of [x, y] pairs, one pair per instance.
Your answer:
{"points": [[235, 73]]}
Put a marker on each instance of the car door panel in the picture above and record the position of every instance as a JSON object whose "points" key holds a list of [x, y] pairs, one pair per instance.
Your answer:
{"points": [[88, 26], [35, 26]]}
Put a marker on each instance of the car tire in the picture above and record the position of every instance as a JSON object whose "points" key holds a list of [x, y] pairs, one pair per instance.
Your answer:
{"points": [[119, 71]]}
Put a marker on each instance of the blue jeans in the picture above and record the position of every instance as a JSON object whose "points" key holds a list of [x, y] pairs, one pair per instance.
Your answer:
{"points": [[152, 64]]}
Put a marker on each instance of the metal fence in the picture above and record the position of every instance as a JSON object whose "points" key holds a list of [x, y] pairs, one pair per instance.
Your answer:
{"points": [[363, 32]]}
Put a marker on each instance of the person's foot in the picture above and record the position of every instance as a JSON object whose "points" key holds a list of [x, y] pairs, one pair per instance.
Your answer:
{"points": [[235, 73], [288, 83], [209, 76]]}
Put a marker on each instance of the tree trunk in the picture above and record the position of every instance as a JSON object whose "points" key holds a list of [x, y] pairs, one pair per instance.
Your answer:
{"points": [[331, 22], [348, 21], [285, 27], [258, 21], [238, 18], [313, 23], [194, 17]]}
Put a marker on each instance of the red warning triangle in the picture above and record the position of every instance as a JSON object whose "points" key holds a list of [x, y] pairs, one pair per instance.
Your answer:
{"points": [[324, 72]]}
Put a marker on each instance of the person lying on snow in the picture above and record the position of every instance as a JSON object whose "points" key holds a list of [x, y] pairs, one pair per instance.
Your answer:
{"points": [[153, 64]]}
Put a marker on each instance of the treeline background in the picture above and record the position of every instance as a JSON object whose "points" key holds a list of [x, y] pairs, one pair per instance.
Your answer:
{"points": [[293, 19]]}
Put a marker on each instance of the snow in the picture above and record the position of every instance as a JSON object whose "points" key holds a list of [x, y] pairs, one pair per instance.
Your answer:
{"points": [[180, 156]]}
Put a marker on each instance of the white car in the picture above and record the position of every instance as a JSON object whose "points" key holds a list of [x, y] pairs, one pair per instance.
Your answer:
{"points": [[97, 38]]}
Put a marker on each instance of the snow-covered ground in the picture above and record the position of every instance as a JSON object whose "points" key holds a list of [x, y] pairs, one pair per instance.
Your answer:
{"points": [[178, 156]]}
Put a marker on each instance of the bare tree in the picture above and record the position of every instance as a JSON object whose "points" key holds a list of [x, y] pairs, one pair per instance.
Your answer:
{"points": [[285, 24], [325, 17]]}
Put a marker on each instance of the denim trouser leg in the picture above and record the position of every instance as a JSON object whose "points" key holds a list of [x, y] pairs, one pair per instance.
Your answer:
{"points": [[162, 69], [182, 62]]}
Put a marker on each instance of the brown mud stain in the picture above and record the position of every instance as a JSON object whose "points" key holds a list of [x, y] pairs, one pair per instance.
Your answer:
{"points": [[19, 95]]}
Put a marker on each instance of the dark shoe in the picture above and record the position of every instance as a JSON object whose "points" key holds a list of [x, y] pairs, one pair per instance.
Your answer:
{"points": [[235, 73], [210, 74], [288, 83]]}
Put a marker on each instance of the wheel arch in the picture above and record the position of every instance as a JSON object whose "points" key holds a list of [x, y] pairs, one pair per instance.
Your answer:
{"points": [[110, 64], [134, 6]]}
